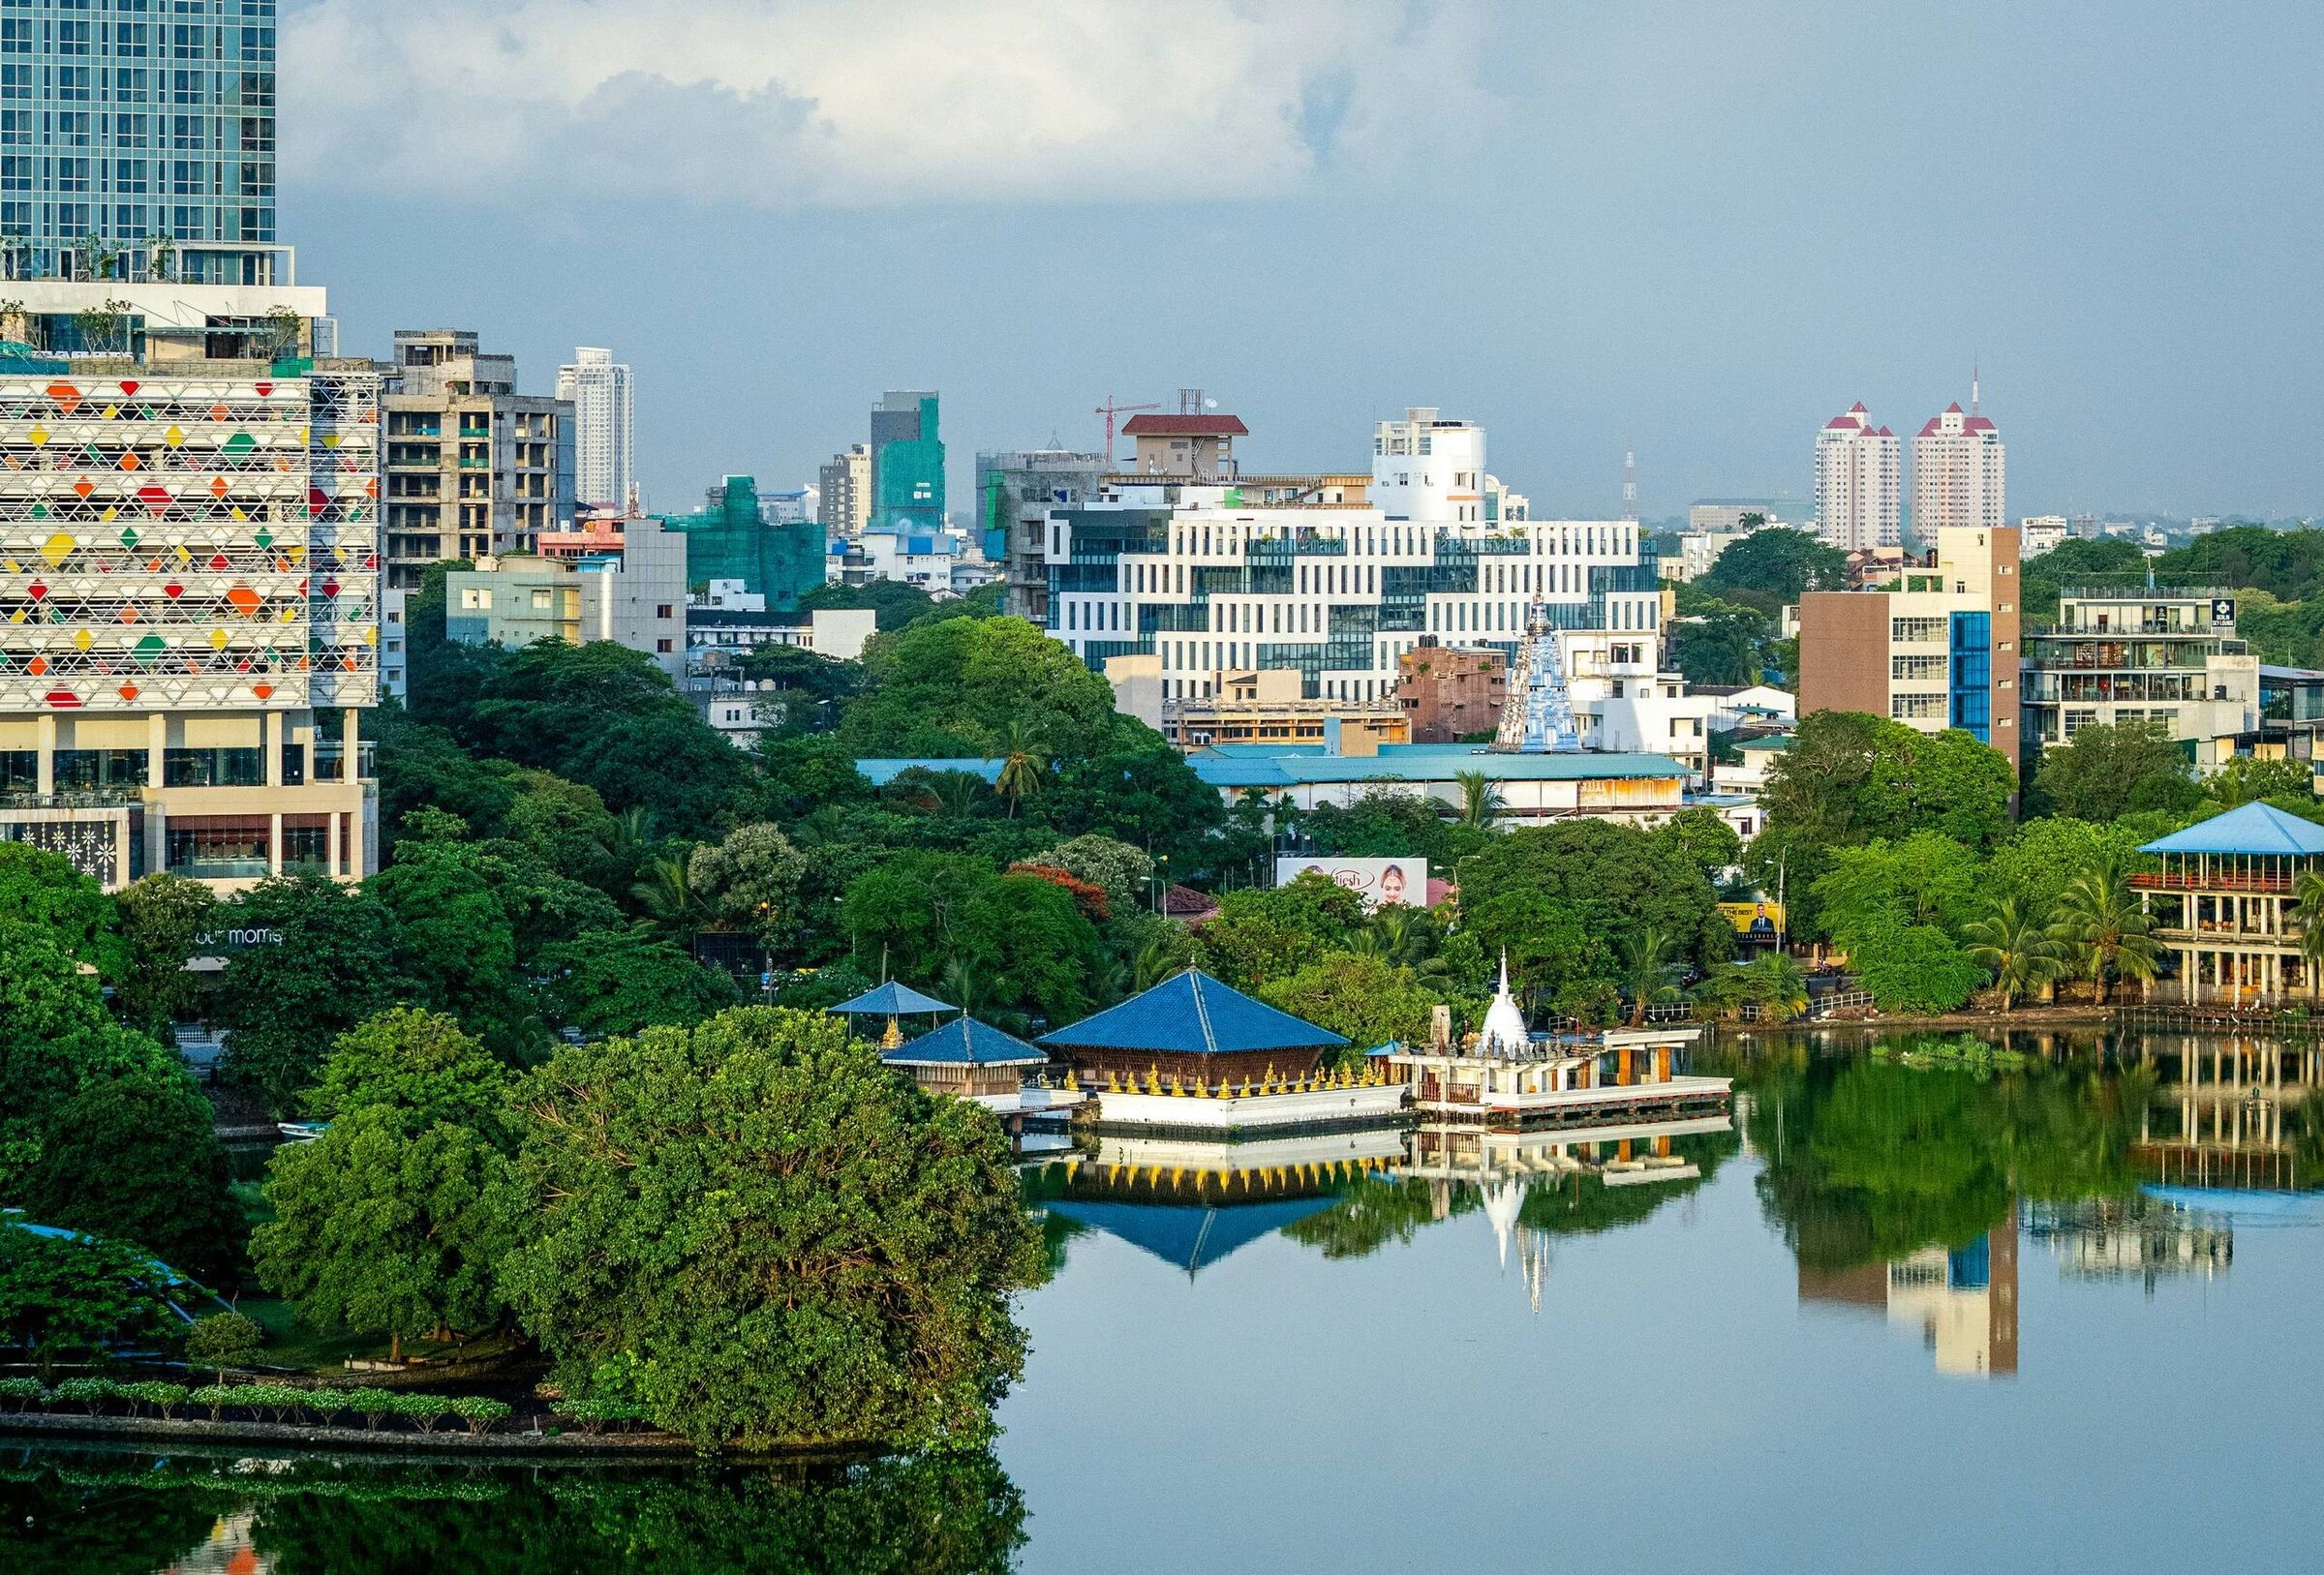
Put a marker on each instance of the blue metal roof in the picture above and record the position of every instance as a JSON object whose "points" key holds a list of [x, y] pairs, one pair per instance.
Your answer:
{"points": [[965, 1042], [891, 1000], [880, 773], [2254, 830], [1192, 1015], [1190, 1236]]}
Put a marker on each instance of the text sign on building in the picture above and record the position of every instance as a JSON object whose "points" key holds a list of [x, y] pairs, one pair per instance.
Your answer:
{"points": [[2222, 611], [1380, 882]]}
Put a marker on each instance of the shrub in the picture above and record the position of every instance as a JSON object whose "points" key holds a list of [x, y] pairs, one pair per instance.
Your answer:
{"points": [[216, 1396], [163, 1398], [278, 1398], [87, 1393], [479, 1412], [223, 1340], [25, 1393], [426, 1411], [371, 1405], [595, 1414]]}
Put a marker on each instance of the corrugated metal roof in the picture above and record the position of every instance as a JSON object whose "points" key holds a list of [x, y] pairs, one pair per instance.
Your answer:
{"points": [[2253, 830], [880, 773], [1422, 763], [1192, 1015], [964, 1040]]}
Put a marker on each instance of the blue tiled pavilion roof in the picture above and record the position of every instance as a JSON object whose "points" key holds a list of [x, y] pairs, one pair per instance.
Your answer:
{"points": [[1192, 1015], [964, 1040], [892, 1000], [2252, 830]]}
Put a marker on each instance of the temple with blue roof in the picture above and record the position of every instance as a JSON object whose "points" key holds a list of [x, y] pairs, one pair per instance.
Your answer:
{"points": [[2223, 906], [1195, 1055]]}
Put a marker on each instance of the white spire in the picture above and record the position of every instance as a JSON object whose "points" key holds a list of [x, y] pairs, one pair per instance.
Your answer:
{"points": [[1504, 1020]]}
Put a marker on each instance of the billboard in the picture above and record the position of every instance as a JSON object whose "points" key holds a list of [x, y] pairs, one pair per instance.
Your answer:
{"points": [[1755, 920], [1378, 881]]}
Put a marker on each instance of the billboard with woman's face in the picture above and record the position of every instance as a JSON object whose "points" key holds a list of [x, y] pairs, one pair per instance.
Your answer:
{"points": [[1389, 882]]}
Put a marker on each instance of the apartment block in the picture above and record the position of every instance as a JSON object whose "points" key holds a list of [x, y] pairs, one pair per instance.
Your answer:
{"points": [[1935, 646], [1451, 694], [843, 492], [1960, 472], [1858, 482], [2164, 655], [474, 468], [1014, 492], [604, 418], [633, 595]]}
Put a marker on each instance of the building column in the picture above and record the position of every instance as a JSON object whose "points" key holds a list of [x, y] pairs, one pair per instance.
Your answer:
{"points": [[271, 736], [336, 867], [44, 725], [274, 843]]}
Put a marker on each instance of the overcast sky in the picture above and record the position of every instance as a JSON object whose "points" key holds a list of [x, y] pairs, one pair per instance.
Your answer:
{"points": [[1707, 225]]}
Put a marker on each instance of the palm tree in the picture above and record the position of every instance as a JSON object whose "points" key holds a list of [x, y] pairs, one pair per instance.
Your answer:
{"points": [[2023, 953], [2308, 912], [2099, 918], [1480, 802], [1647, 970], [1021, 767], [667, 894], [955, 792]]}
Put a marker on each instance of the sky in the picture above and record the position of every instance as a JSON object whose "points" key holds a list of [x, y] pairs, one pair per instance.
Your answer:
{"points": [[1702, 226]]}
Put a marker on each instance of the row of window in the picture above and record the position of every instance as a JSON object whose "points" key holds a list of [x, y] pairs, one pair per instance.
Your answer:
{"points": [[89, 128], [136, 41], [91, 771], [183, 177], [135, 222]]}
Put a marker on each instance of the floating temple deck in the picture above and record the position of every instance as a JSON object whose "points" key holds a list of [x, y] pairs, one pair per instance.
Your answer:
{"points": [[1561, 1079]]}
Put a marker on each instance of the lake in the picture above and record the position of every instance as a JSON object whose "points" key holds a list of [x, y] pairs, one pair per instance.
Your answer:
{"points": [[1926, 1302]]}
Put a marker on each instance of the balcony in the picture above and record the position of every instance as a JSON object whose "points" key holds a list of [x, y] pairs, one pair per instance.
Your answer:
{"points": [[2178, 881]]}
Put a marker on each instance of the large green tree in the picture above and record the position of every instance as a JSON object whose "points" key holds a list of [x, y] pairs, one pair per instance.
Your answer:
{"points": [[1613, 880], [162, 919], [620, 981], [1365, 1000], [953, 688], [282, 1003], [2104, 772], [63, 1298], [1769, 569], [759, 1234]]}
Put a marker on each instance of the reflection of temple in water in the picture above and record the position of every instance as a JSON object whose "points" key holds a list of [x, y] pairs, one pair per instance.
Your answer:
{"points": [[2131, 1238], [1191, 1202], [226, 1550], [1504, 1166], [1964, 1300]]}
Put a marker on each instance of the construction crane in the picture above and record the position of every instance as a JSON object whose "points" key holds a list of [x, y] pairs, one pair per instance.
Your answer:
{"points": [[1109, 410]]}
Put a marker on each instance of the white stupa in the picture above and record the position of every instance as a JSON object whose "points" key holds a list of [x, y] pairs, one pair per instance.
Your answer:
{"points": [[1505, 1032]]}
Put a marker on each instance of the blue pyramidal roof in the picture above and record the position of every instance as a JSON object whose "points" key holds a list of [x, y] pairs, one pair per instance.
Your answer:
{"points": [[891, 1000], [2252, 830], [1190, 1235], [1192, 1015], [965, 1042]]}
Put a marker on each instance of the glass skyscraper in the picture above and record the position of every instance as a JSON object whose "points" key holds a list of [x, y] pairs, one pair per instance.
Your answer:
{"points": [[136, 140]]}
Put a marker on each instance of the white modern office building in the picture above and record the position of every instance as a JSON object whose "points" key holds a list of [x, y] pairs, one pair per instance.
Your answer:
{"points": [[601, 391], [1858, 482]]}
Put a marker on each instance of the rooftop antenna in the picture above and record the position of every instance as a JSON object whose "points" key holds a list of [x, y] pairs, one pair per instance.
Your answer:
{"points": [[1191, 402], [1972, 387], [1629, 482]]}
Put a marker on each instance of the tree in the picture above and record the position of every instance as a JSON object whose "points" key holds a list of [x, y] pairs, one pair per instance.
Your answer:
{"points": [[384, 1230], [1911, 967], [100, 1128], [1482, 805], [1719, 641], [43, 889], [63, 1297], [1138, 790], [456, 941], [896, 604], [2016, 946], [1769, 569], [2080, 562], [1711, 844], [620, 981], [2099, 918], [2307, 913], [162, 918], [1615, 880], [749, 882], [284, 1002], [2246, 778], [759, 1234], [1261, 936], [1365, 1000], [1648, 973], [952, 689], [2103, 772], [223, 1340], [417, 1064], [1119, 869], [1926, 878], [1021, 767], [1386, 823]]}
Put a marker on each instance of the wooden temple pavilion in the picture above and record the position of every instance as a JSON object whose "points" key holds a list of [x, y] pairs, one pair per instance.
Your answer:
{"points": [[968, 1059], [2222, 905], [1190, 1031]]}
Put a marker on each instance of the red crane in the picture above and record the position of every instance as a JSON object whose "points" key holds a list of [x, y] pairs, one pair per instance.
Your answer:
{"points": [[1109, 410]]}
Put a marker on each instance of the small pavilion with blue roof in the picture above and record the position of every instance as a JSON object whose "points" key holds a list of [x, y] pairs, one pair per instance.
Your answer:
{"points": [[966, 1058], [891, 1001], [2223, 904], [1193, 1029]]}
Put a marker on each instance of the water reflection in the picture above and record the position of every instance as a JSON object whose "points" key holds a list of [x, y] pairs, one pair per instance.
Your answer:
{"points": [[81, 1511]]}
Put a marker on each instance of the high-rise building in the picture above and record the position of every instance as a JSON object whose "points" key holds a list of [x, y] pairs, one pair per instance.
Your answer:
{"points": [[1857, 482], [1015, 492], [1959, 472], [1934, 646], [189, 476], [731, 539], [843, 492], [908, 463], [138, 144], [599, 390], [473, 467]]}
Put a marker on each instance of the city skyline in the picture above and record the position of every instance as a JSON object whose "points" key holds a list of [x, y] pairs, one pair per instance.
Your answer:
{"points": [[2055, 200]]}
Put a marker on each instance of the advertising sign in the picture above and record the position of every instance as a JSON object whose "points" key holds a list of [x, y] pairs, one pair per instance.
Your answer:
{"points": [[1755, 920], [1378, 881]]}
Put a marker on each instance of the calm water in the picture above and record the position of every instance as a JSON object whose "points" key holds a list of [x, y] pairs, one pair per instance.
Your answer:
{"points": [[1920, 1312]]}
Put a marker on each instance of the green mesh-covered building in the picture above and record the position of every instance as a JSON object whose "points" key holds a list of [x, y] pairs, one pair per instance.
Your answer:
{"points": [[907, 464], [730, 539]]}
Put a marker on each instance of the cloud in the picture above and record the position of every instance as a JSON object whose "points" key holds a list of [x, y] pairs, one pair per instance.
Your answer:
{"points": [[863, 102]]}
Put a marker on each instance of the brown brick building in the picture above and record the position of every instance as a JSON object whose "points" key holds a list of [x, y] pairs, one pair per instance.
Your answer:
{"points": [[1450, 694]]}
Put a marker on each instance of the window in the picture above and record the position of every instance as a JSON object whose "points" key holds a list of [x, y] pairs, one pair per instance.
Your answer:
{"points": [[90, 771], [218, 847], [662, 610], [1916, 631], [212, 768], [662, 647]]}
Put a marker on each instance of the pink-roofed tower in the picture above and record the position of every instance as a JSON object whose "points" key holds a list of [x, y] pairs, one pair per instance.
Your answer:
{"points": [[1960, 472], [1857, 468]]}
